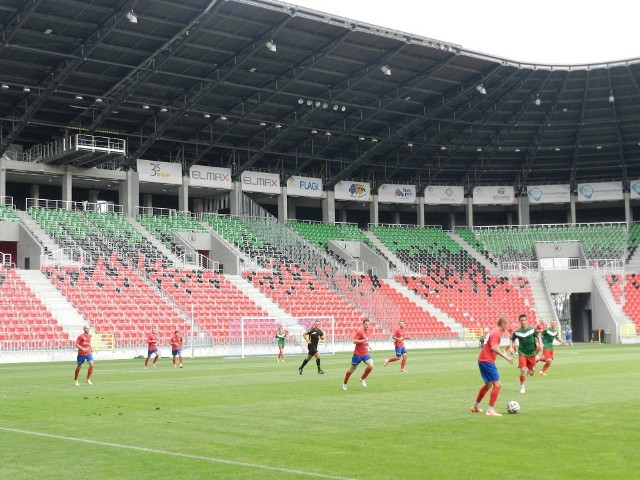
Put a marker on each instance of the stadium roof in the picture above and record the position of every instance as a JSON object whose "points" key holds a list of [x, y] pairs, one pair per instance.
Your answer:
{"points": [[257, 84]]}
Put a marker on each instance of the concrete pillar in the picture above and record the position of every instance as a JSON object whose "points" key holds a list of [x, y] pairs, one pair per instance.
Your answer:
{"points": [[470, 211], [452, 221], [343, 215], [509, 218], [147, 200], [235, 199], [572, 213], [283, 205], [34, 191], [198, 205], [374, 211], [129, 194], [420, 211], [3, 181], [292, 213], [329, 207], [93, 196], [183, 194], [67, 185], [524, 217], [628, 214]]}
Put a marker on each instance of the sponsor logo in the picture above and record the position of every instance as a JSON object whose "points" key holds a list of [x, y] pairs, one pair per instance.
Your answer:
{"points": [[403, 192], [261, 181], [313, 186], [210, 176], [535, 194], [357, 190], [586, 191], [448, 192], [635, 186]]}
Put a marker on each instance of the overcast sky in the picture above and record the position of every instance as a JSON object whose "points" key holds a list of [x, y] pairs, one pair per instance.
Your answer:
{"points": [[539, 31]]}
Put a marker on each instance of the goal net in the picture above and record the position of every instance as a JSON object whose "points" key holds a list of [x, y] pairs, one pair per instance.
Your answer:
{"points": [[257, 335]]}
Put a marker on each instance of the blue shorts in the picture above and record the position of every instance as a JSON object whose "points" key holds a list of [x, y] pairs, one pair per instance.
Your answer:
{"points": [[356, 359], [176, 352], [400, 351], [151, 352], [488, 372], [82, 358]]}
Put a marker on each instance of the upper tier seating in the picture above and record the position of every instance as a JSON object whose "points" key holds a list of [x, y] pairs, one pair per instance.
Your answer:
{"points": [[8, 214], [163, 226], [213, 301], [516, 244], [320, 234], [114, 299], [97, 233], [26, 323]]}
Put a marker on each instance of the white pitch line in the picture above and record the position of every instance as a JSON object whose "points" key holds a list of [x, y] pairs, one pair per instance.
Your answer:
{"points": [[176, 454]]}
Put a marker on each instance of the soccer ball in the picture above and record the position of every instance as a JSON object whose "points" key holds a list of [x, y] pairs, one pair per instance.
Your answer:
{"points": [[513, 407]]}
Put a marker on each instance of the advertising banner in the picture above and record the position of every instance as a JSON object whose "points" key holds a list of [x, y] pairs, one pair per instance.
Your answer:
{"points": [[634, 187], [601, 191], [160, 172], [260, 182], [444, 195], [357, 191], [549, 194], [498, 195], [304, 187], [394, 193], [211, 177]]}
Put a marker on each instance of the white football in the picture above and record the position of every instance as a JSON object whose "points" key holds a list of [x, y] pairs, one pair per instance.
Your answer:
{"points": [[513, 407]]}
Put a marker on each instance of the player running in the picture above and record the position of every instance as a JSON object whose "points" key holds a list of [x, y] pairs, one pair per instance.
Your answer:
{"points": [[152, 349], [401, 351], [312, 337], [360, 354], [176, 348], [85, 354], [528, 347], [548, 335]]}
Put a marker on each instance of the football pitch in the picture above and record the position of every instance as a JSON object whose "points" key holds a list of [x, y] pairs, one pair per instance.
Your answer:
{"points": [[256, 418]]}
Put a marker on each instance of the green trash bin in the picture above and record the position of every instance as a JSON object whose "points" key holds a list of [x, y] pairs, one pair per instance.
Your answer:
{"points": [[607, 338]]}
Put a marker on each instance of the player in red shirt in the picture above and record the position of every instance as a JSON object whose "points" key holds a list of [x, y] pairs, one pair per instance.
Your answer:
{"points": [[83, 344], [176, 347], [488, 369], [360, 354], [152, 341], [401, 351]]}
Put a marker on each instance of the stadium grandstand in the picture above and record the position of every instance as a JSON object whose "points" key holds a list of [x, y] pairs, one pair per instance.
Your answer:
{"points": [[193, 165]]}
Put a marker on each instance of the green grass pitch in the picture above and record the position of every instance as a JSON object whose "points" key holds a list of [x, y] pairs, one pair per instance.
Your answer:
{"points": [[256, 418]]}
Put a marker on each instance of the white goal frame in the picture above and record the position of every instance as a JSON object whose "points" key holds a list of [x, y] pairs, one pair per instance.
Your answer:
{"points": [[243, 343]]}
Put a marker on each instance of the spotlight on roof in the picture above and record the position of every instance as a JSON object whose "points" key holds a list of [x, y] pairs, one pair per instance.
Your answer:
{"points": [[207, 115], [314, 131], [611, 97], [277, 125], [300, 101], [410, 145], [537, 101], [361, 138], [385, 69], [223, 117], [79, 97], [146, 107], [164, 110], [98, 100], [26, 89], [132, 17], [328, 134], [343, 108], [271, 46], [480, 88], [4, 86]]}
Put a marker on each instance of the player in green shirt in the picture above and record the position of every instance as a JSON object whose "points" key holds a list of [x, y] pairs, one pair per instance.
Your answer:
{"points": [[281, 337], [528, 347], [548, 335]]}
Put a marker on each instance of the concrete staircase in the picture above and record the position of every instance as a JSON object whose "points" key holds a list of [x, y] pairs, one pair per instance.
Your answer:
{"points": [[615, 307], [38, 233], [543, 308], [62, 310], [155, 242], [259, 298], [400, 267], [421, 302]]}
